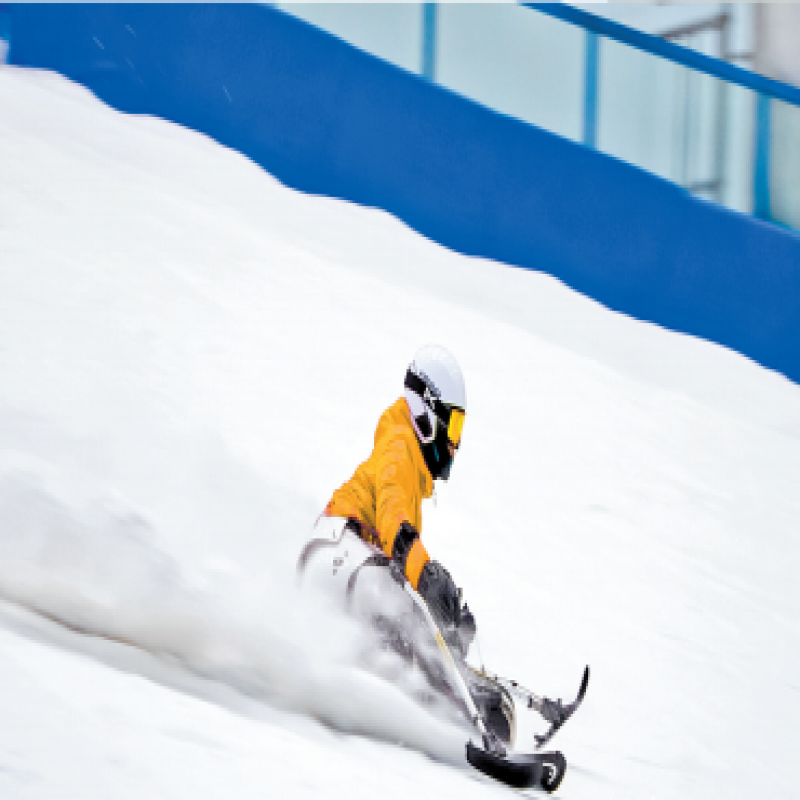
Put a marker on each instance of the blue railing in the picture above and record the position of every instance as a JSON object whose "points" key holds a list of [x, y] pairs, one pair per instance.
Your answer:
{"points": [[669, 50], [766, 88]]}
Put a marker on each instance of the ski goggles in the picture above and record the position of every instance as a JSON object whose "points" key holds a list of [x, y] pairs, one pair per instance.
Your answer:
{"points": [[452, 417], [455, 424]]}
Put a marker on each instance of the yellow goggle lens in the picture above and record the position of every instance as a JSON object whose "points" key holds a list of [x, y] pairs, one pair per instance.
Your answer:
{"points": [[455, 426]]}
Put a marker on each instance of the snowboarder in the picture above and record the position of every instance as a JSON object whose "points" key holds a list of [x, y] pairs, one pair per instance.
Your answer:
{"points": [[415, 443], [374, 520]]}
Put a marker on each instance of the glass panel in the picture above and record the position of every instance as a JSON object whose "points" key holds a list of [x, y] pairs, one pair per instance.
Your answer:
{"points": [[392, 31], [643, 110], [516, 61], [740, 114], [784, 169], [679, 123], [509, 58]]}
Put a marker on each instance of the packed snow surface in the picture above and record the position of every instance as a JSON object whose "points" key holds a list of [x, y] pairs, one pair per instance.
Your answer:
{"points": [[193, 357]]}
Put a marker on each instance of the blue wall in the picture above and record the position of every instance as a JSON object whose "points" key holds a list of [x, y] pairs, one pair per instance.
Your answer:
{"points": [[326, 118]]}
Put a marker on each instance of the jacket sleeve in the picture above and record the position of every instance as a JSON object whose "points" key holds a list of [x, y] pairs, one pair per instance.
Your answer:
{"points": [[398, 500], [395, 499]]}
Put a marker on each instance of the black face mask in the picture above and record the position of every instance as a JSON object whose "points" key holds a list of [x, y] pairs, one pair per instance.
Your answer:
{"points": [[437, 455]]}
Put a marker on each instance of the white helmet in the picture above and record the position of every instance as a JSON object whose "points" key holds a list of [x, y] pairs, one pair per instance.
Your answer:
{"points": [[437, 400]]}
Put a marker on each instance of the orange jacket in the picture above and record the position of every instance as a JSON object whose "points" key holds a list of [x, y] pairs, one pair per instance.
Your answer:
{"points": [[389, 487]]}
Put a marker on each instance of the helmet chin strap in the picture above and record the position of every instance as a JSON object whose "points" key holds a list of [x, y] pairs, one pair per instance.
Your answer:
{"points": [[437, 456]]}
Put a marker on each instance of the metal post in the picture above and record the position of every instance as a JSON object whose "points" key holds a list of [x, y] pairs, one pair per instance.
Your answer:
{"points": [[721, 127], [686, 142], [590, 91], [429, 41], [761, 199]]}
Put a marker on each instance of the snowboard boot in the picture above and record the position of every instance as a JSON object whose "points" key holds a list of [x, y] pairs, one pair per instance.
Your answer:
{"points": [[495, 706]]}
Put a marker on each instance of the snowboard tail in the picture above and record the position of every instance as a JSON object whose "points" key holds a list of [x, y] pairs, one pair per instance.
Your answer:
{"points": [[522, 771]]}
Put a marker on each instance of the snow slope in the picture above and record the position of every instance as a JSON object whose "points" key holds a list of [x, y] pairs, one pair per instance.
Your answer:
{"points": [[192, 357]]}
